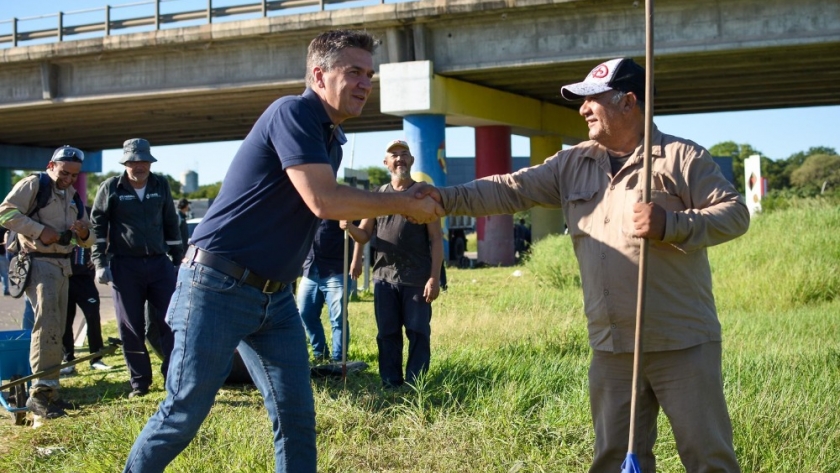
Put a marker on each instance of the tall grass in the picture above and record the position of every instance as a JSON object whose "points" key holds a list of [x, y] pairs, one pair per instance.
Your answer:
{"points": [[507, 388]]}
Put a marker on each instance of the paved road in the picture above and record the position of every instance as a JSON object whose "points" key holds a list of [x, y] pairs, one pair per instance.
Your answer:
{"points": [[11, 310]]}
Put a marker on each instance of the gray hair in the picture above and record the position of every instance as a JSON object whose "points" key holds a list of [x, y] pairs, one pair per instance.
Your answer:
{"points": [[620, 95], [325, 49]]}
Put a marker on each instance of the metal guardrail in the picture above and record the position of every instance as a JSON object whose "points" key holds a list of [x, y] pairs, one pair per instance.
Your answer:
{"points": [[107, 25]]}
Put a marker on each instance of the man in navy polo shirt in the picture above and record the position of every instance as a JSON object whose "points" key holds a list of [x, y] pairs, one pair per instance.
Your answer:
{"points": [[233, 288]]}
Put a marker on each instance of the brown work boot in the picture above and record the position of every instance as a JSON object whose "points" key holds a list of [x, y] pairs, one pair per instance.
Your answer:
{"points": [[40, 405]]}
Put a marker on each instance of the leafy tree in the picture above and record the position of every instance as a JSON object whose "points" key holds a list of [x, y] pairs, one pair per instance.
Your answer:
{"points": [[794, 161], [739, 153], [17, 176], [93, 182], [799, 158], [377, 175], [174, 186], [209, 191], [817, 172]]}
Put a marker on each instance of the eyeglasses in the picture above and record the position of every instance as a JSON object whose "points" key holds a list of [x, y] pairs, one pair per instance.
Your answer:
{"points": [[68, 153]]}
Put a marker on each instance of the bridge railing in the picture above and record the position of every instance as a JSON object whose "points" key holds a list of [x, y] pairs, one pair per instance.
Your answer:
{"points": [[157, 19]]}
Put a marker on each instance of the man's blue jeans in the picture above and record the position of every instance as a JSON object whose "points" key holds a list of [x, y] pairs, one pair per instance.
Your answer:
{"points": [[313, 291], [212, 314]]}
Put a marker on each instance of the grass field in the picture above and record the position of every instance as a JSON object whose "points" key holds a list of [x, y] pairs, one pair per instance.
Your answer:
{"points": [[507, 387]]}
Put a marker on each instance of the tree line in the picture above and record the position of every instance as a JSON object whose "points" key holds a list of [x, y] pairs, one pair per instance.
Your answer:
{"points": [[803, 174]]}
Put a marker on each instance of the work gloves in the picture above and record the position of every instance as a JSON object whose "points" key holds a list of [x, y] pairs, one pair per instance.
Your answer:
{"points": [[103, 275]]}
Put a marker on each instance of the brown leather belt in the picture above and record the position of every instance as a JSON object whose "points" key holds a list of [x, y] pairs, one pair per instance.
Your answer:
{"points": [[234, 270]]}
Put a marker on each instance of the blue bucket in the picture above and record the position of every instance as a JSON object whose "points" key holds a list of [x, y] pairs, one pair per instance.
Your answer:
{"points": [[14, 353]]}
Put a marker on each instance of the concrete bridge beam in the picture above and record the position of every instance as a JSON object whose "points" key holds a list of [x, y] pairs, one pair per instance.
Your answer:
{"points": [[409, 88]]}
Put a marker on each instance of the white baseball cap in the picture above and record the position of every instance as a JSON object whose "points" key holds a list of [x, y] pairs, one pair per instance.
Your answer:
{"points": [[616, 74]]}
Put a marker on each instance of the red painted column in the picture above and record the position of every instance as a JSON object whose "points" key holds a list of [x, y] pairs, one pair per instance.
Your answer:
{"points": [[81, 186], [495, 232]]}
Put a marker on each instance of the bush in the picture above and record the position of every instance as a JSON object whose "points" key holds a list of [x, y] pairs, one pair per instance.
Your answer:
{"points": [[553, 262]]}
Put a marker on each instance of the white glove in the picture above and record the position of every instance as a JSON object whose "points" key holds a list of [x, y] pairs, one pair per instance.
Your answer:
{"points": [[103, 275]]}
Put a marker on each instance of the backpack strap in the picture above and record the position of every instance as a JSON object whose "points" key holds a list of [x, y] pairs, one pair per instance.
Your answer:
{"points": [[43, 196]]}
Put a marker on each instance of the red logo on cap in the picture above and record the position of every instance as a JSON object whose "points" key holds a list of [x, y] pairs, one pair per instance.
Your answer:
{"points": [[600, 72]]}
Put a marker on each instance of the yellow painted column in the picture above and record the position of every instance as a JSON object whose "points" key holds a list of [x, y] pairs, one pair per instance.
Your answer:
{"points": [[545, 221]]}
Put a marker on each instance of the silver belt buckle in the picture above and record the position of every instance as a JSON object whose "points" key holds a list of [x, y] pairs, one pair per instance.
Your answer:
{"points": [[265, 287]]}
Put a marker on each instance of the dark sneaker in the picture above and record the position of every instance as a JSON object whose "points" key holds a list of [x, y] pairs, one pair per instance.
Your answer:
{"points": [[138, 392], [40, 406]]}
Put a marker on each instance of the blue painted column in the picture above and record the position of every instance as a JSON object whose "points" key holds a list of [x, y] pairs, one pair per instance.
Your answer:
{"points": [[426, 135]]}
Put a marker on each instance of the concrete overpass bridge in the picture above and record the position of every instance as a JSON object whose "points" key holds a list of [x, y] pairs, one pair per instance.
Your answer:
{"points": [[485, 63]]}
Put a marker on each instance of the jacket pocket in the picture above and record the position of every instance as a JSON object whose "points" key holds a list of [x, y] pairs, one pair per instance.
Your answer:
{"points": [[580, 212]]}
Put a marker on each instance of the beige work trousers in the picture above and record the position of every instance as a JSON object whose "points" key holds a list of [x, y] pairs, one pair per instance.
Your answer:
{"points": [[47, 291], [687, 384]]}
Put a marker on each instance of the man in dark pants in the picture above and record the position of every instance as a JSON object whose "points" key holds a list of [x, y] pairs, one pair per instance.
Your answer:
{"points": [[83, 293], [599, 185], [136, 226], [406, 275], [234, 286]]}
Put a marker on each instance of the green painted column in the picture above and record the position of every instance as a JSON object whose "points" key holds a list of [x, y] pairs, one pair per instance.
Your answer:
{"points": [[5, 182], [545, 221]]}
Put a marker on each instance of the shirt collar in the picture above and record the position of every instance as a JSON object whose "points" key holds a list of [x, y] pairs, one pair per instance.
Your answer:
{"points": [[600, 154], [314, 101]]}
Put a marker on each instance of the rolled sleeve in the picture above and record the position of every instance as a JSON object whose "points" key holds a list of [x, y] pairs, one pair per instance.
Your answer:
{"points": [[717, 214]]}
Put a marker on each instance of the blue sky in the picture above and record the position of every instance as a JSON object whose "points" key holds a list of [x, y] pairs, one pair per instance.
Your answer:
{"points": [[775, 133]]}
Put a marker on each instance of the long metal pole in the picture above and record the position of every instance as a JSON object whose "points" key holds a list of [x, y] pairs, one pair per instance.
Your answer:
{"points": [[344, 308], [643, 253], [113, 344]]}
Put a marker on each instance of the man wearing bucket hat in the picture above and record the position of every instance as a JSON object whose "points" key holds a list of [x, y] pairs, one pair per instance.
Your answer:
{"points": [[136, 230], [47, 230], [598, 183]]}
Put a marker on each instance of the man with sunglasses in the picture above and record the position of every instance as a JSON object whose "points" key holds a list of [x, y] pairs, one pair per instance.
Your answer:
{"points": [[47, 234]]}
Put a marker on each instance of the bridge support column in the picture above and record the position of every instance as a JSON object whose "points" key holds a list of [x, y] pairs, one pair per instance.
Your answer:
{"points": [[545, 221], [426, 135], [5, 182], [81, 186], [495, 232]]}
